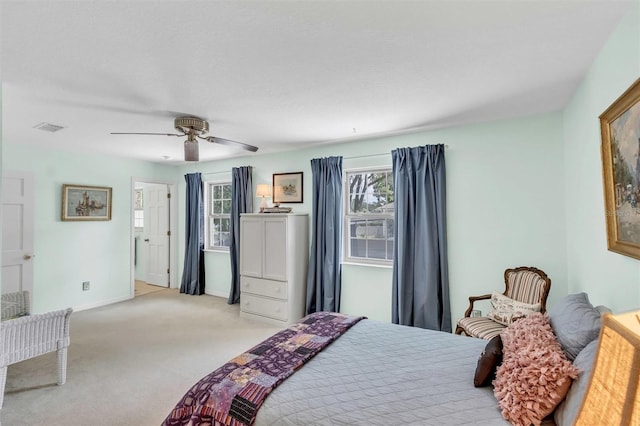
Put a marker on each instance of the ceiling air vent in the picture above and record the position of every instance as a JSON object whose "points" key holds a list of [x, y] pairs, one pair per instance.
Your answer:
{"points": [[48, 127]]}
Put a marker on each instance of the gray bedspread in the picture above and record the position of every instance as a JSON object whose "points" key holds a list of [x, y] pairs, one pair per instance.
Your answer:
{"points": [[385, 374]]}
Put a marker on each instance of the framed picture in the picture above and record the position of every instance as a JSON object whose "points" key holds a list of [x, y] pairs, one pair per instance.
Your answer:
{"points": [[82, 203], [287, 188], [620, 127]]}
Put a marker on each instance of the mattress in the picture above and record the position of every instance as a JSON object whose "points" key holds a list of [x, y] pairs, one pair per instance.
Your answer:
{"points": [[385, 374]]}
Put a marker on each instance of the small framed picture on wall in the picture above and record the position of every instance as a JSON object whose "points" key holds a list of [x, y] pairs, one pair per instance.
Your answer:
{"points": [[287, 188], [84, 203]]}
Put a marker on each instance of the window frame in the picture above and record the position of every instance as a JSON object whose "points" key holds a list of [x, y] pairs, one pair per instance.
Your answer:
{"points": [[209, 215], [347, 258]]}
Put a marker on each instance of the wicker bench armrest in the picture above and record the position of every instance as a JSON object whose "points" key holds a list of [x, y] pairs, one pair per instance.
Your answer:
{"points": [[33, 335], [14, 304]]}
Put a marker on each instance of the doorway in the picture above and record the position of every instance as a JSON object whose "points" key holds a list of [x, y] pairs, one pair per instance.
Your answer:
{"points": [[18, 199], [153, 245]]}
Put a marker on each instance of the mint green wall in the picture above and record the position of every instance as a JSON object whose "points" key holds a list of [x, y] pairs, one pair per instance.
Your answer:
{"points": [[505, 203], [68, 253], [609, 278], [524, 191], [0, 160]]}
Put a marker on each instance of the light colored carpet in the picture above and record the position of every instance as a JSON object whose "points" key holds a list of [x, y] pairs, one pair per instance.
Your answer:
{"points": [[130, 362]]}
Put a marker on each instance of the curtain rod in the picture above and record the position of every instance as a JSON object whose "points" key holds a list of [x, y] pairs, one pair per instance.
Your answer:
{"points": [[365, 156], [221, 172], [374, 155], [216, 173]]}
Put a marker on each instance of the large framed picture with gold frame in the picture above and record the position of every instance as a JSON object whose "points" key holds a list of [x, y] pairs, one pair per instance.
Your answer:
{"points": [[620, 128]]}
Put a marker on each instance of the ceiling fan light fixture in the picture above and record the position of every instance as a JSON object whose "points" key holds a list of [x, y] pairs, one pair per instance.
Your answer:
{"points": [[194, 128], [191, 152]]}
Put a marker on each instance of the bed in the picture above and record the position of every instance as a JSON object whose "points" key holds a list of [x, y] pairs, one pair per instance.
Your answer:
{"points": [[385, 374], [371, 373]]}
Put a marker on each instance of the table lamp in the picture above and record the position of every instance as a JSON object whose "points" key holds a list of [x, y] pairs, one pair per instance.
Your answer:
{"points": [[263, 190]]}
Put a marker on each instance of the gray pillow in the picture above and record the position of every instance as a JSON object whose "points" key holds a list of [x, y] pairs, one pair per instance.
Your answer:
{"points": [[567, 411], [575, 322]]}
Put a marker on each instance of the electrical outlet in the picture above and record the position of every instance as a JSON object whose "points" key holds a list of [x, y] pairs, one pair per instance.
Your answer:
{"points": [[85, 285]]}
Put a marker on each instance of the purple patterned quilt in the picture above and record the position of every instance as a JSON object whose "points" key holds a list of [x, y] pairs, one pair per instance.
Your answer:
{"points": [[232, 394]]}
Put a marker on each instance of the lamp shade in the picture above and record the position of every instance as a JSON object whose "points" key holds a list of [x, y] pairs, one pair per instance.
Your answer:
{"points": [[263, 190], [613, 395]]}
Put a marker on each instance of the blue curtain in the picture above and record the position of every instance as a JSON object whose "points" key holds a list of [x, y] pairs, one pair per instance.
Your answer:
{"points": [[420, 271], [325, 271], [193, 271], [241, 202]]}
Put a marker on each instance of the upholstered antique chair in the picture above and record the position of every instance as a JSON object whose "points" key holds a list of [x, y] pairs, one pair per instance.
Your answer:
{"points": [[527, 289]]}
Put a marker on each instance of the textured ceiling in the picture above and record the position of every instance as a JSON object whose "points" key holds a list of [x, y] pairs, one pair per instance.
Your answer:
{"points": [[281, 74]]}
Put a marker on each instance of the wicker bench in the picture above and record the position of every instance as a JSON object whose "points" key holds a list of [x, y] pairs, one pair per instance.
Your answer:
{"points": [[25, 336]]}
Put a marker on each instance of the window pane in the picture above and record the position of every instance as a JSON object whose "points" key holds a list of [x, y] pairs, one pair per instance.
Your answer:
{"points": [[226, 206], [358, 248], [376, 249], [368, 192], [357, 203], [358, 228], [375, 229], [138, 218], [139, 199], [216, 232], [369, 219], [388, 228], [210, 240], [219, 211]]}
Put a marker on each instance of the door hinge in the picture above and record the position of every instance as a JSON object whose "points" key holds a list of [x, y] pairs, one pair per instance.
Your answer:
{"points": [[167, 270], [168, 195], [169, 233]]}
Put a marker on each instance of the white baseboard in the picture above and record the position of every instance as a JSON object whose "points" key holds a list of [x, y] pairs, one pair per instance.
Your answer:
{"points": [[100, 303], [216, 293]]}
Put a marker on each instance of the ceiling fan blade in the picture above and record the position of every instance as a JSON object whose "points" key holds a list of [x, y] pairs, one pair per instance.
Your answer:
{"points": [[153, 134], [191, 152], [228, 142]]}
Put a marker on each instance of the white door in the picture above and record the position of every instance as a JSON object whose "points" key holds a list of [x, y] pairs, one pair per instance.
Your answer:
{"points": [[156, 230], [17, 231]]}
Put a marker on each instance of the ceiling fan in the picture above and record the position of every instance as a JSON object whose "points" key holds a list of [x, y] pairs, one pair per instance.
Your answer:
{"points": [[195, 128]]}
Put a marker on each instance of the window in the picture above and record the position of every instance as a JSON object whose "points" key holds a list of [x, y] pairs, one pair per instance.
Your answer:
{"points": [[138, 212], [219, 215], [369, 216]]}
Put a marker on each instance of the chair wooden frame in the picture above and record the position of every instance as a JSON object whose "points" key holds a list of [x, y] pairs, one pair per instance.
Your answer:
{"points": [[543, 297]]}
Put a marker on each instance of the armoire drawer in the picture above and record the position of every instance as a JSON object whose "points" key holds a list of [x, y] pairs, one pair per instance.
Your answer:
{"points": [[262, 287], [266, 307]]}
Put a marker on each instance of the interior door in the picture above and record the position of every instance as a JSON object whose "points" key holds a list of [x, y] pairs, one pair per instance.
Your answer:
{"points": [[17, 231], [156, 234]]}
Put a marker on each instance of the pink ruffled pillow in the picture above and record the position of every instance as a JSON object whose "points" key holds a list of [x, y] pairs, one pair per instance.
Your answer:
{"points": [[535, 375]]}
